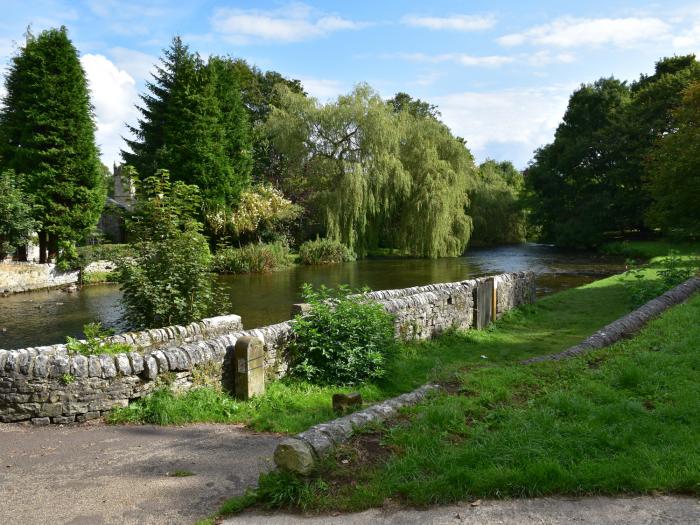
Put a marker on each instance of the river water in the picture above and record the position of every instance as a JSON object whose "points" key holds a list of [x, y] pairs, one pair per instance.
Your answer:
{"points": [[47, 317]]}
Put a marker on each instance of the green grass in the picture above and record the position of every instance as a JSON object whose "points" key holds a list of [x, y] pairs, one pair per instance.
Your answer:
{"points": [[649, 249], [552, 324], [619, 420], [99, 277]]}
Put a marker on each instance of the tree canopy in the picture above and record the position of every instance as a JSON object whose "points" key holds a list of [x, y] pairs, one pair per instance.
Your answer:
{"points": [[193, 123], [374, 176], [675, 168], [48, 138], [591, 179], [496, 204]]}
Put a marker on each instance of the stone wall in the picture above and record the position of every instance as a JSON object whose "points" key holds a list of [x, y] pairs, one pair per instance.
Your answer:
{"points": [[18, 277], [23, 277], [48, 385]]}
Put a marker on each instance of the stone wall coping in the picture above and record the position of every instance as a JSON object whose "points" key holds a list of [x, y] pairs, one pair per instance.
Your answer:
{"points": [[153, 337], [300, 453], [628, 324]]}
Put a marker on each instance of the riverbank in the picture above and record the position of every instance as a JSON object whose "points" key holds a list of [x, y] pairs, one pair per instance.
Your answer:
{"points": [[552, 324], [616, 421], [47, 317]]}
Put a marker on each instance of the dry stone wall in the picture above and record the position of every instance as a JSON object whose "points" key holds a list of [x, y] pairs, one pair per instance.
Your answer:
{"points": [[47, 385], [22, 277], [16, 277]]}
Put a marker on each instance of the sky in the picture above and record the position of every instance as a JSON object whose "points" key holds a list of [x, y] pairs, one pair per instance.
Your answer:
{"points": [[500, 72]]}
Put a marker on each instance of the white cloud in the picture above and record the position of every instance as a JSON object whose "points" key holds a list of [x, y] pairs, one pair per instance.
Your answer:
{"points": [[453, 23], [114, 95], [457, 58], [545, 57], [138, 64], [289, 24], [323, 89], [517, 120], [573, 32]]}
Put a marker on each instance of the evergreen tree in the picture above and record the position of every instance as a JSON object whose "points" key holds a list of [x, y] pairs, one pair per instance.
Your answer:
{"points": [[260, 92], [48, 138], [193, 123]]}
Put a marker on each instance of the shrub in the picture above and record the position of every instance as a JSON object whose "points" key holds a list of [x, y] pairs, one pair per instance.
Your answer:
{"points": [[343, 339], [324, 251], [94, 343], [104, 252], [256, 258], [168, 280], [673, 271]]}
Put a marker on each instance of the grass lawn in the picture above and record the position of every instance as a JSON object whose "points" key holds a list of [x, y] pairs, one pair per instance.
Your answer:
{"points": [[625, 419], [552, 324], [650, 249]]}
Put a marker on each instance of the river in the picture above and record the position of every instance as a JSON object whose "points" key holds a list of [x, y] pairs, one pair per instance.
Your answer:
{"points": [[47, 317]]}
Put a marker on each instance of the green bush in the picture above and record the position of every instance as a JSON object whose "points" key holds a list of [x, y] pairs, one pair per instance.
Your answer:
{"points": [[252, 258], [324, 251], [343, 339], [104, 252], [168, 282], [94, 343], [673, 270]]}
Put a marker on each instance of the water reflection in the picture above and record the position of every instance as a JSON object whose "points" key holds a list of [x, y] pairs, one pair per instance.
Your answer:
{"points": [[46, 317]]}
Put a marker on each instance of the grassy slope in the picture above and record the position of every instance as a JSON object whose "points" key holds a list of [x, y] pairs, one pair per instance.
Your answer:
{"points": [[650, 249], [623, 419], [553, 324]]}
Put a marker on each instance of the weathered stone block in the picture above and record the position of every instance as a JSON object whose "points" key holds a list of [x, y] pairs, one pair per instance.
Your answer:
{"points": [[122, 364], [295, 455], [250, 368]]}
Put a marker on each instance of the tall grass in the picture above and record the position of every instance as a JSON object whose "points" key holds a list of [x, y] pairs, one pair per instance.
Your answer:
{"points": [[324, 251], [252, 258]]}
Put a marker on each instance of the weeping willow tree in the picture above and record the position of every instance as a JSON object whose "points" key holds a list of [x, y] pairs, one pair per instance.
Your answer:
{"points": [[432, 221], [374, 176]]}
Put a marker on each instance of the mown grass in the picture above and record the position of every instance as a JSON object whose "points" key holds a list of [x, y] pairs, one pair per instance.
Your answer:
{"points": [[551, 325], [619, 420], [649, 249]]}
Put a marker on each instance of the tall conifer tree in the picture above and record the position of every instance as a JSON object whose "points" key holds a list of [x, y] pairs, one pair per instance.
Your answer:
{"points": [[193, 123], [48, 138]]}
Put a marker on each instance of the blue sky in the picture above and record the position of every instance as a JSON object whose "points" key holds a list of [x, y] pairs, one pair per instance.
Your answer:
{"points": [[500, 71]]}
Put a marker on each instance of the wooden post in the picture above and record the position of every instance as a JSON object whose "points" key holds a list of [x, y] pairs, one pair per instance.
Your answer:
{"points": [[249, 363], [494, 302], [484, 303]]}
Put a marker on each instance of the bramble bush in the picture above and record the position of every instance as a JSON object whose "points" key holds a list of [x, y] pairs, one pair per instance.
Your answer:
{"points": [[324, 251], [343, 339]]}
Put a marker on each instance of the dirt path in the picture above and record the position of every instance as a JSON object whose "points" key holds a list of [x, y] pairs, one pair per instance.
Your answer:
{"points": [[647, 510], [100, 474]]}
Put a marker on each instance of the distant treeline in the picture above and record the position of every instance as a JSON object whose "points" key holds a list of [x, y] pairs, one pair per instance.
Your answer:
{"points": [[626, 157], [270, 163]]}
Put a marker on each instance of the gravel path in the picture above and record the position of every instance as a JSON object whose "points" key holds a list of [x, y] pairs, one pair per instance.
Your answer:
{"points": [[99, 474], [647, 510]]}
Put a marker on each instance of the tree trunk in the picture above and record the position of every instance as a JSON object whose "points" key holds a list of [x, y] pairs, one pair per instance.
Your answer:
{"points": [[43, 247], [53, 246], [21, 253]]}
